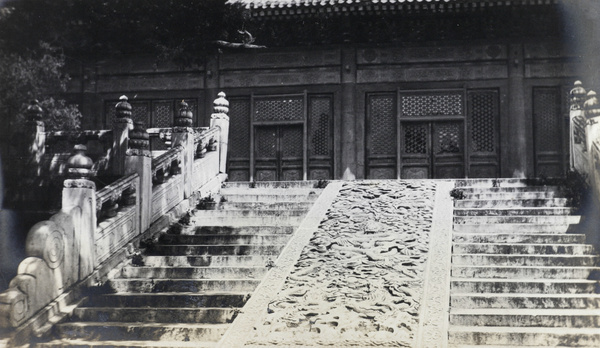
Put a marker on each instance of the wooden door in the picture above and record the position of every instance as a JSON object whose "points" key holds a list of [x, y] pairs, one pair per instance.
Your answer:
{"points": [[278, 153], [547, 132]]}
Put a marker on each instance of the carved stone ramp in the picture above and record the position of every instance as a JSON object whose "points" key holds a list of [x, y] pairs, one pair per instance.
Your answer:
{"points": [[521, 274], [193, 284]]}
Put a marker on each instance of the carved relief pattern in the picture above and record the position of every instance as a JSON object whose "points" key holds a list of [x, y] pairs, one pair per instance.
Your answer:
{"points": [[579, 130], [483, 122], [54, 251], [432, 105], [360, 279], [239, 134], [415, 138], [382, 123], [320, 111], [279, 109]]}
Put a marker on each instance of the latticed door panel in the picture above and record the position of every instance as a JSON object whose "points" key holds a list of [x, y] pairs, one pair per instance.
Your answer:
{"points": [[482, 127], [548, 132], [238, 157], [381, 141], [416, 150], [162, 117], [291, 152], [266, 153], [448, 149], [430, 104], [320, 137]]}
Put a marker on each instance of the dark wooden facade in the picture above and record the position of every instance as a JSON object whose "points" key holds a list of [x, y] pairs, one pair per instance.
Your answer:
{"points": [[488, 100]]}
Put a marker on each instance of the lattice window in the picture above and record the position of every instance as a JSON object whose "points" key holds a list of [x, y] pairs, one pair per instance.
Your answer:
{"points": [[110, 112], [279, 109], [163, 114], [421, 105], [483, 121], [381, 138], [239, 133], [415, 138], [448, 137], [266, 143], [140, 111], [291, 141], [547, 119], [319, 126]]}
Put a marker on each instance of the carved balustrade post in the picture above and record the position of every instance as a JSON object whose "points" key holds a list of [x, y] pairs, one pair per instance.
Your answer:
{"points": [[577, 136], [121, 127], [80, 191], [591, 109], [31, 148], [183, 135], [220, 119], [139, 160]]}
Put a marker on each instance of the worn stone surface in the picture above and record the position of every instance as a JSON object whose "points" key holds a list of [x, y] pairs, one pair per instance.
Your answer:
{"points": [[360, 279]]}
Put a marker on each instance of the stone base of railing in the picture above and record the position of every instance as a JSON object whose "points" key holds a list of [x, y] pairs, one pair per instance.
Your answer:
{"points": [[41, 323]]}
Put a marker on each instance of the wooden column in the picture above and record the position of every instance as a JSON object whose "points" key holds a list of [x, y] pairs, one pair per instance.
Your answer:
{"points": [[518, 139], [348, 168]]}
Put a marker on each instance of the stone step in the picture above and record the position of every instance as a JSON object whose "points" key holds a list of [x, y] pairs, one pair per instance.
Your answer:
{"points": [[170, 299], [64, 343], [512, 189], [202, 250], [514, 228], [236, 214], [536, 238], [533, 211], [155, 315], [116, 331], [507, 203], [512, 195], [502, 182], [182, 285], [236, 230], [256, 196], [232, 221], [281, 205], [209, 260], [530, 286], [521, 249], [526, 272], [308, 184], [194, 272], [519, 337], [537, 301], [526, 260], [224, 239], [525, 317], [525, 219]]}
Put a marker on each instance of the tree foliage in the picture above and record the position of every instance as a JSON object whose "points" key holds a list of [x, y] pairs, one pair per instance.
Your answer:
{"points": [[36, 75]]}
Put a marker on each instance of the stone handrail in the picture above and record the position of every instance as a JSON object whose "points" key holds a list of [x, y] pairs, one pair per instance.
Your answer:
{"points": [[115, 190], [72, 250]]}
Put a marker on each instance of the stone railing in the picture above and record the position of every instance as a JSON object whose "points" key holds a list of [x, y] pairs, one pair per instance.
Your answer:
{"points": [[585, 135], [79, 245]]}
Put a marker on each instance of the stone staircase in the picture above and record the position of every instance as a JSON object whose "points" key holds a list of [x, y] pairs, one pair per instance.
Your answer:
{"points": [[520, 276], [193, 284]]}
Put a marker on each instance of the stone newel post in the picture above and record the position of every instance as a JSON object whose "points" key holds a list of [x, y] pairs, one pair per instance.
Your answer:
{"points": [[183, 135], [121, 126], [80, 191], [591, 110], [139, 160], [220, 119]]}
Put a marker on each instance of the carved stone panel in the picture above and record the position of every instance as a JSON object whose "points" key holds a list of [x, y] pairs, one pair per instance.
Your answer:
{"points": [[280, 59], [280, 78]]}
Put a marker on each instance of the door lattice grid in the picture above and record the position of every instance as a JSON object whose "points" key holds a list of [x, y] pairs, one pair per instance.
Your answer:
{"points": [[320, 109], [448, 138], [140, 112], [266, 146], [382, 123], [547, 120], [239, 135], [415, 138], [279, 109], [483, 119], [291, 142], [163, 114], [432, 105]]}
